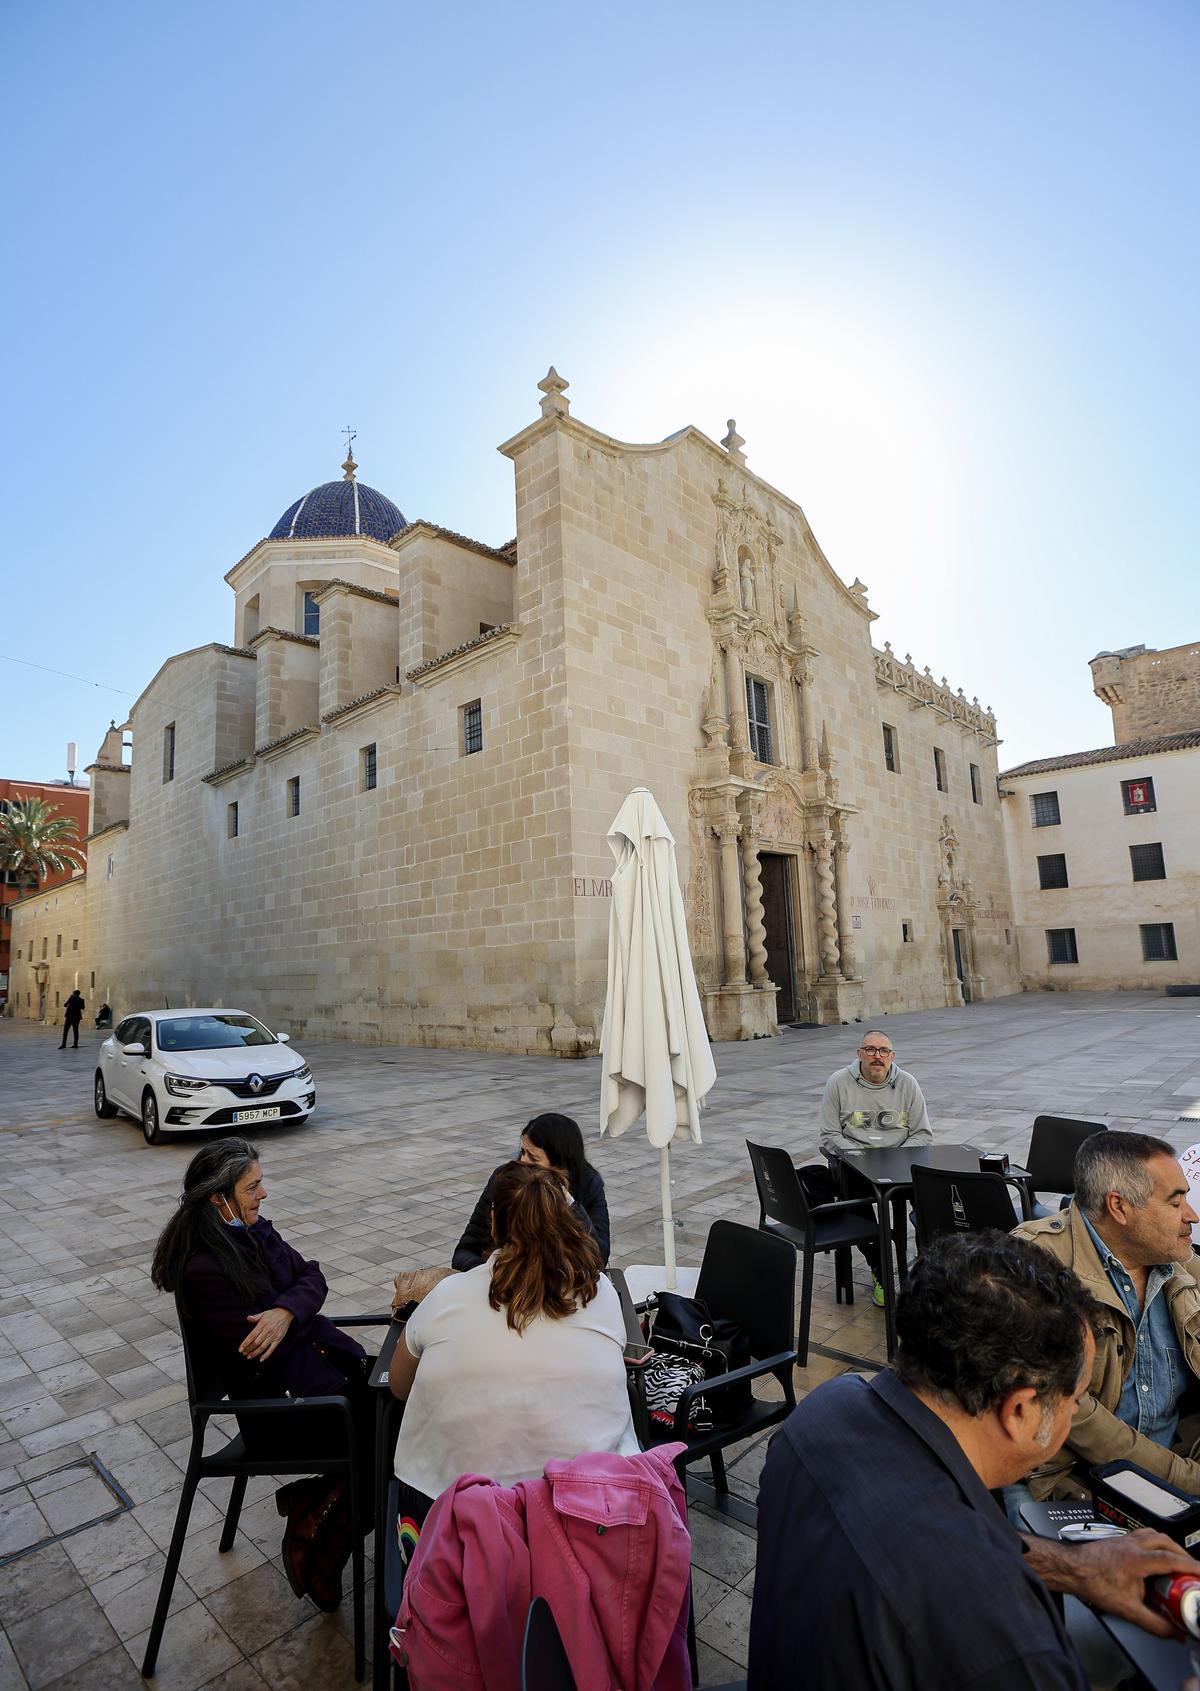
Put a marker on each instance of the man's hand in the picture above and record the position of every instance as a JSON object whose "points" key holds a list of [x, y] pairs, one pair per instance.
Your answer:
{"points": [[266, 1333], [1112, 1573]]}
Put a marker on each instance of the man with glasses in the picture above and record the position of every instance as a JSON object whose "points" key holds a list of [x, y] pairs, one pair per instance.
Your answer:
{"points": [[869, 1105]]}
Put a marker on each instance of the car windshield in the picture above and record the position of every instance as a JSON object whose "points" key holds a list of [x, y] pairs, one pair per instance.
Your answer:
{"points": [[211, 1033]]}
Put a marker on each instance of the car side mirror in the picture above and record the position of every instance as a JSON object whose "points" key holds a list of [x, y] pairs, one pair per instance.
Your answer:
{"points": [[134, 1050], [284, 1038]]}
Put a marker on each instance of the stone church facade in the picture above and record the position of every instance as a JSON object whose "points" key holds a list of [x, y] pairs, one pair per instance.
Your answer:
{"points": [[380, 813]]}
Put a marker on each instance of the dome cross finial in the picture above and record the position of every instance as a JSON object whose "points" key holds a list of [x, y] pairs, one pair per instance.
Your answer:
{"points": [[349, 466]]}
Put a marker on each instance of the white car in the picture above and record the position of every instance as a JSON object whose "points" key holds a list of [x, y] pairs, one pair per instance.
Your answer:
{"points": [[179, 1070]]}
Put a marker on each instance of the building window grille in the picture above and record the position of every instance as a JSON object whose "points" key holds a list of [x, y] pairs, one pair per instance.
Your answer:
{"points": [[312, 616], [939, 770], [1158, 942], [370, 768], [231, 820], [1061, 945], [1147, 862], [976, 784], [1043, 810], [169, 752], [758, 711], [1138, 796], [1052, 870], [472, 727], [293, 796], [891, 749]]}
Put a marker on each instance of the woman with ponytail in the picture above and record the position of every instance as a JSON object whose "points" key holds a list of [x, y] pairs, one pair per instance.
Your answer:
{"points": [[253, 1304], [519, 1360]]}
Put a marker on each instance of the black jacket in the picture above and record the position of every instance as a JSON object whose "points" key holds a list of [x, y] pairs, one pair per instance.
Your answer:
{"points": [[475, 1246]]}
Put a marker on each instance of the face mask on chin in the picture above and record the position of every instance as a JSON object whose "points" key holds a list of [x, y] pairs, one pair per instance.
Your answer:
{"points": [[230, 1219]]}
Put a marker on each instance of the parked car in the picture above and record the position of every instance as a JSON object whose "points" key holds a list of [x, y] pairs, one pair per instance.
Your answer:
{"points": [[180, 1070]]}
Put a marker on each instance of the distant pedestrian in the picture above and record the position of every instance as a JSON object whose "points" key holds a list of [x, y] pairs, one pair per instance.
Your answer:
{"points": [[72, 1016]]}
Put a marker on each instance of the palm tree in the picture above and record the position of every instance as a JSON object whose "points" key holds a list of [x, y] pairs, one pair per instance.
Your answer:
{"points": [[36, 841]]}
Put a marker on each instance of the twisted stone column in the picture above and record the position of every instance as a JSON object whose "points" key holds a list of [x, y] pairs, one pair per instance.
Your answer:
{"points": [[841, 851], [827, 930], [728, 831], [756, 932]]}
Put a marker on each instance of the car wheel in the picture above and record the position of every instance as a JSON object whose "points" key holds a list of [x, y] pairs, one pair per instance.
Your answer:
{"points": [[151, 1131], [100, 1098]]}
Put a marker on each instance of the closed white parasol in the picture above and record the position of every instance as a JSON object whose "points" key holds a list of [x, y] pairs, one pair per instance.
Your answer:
{"points": [[654, 1047]]}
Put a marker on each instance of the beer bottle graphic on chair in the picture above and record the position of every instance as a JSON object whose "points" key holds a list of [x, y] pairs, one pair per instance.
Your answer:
{"points": [[959, 1211]]}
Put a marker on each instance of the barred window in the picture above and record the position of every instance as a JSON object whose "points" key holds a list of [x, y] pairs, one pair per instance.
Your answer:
{"points": [[1052, 870], [976, 784], [293, 796], [758, 712], [1043, 808], [939, 770], [1158, 942], [1061, 945], [369, 768], [169, 752], [472, 727], [231, 820], [891, 749], [1147, 862]]}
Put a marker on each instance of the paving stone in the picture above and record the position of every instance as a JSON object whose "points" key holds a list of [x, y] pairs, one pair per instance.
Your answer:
{"points": [[29, 1584], [61, 1639]]}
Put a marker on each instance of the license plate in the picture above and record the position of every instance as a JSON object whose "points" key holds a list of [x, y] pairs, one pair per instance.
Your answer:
{"points": [[269, 1112]]}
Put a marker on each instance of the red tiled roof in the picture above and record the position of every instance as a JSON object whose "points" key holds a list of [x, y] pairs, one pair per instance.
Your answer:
{"points": [[1107, 754]]}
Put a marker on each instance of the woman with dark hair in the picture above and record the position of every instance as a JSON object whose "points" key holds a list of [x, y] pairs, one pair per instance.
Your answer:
{"points": [[554, 1142], [253, 1304], [517, 1361]]}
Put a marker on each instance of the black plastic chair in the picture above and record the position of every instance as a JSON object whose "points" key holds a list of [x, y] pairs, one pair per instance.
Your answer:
{"points": [[207, 1397], [784, 1211], [544, 1663], [1051, 1159], [947, 1201], [747, 1277]]}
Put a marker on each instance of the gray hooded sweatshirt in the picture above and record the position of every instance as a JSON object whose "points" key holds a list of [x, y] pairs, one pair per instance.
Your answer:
{"points": [[854, 1111]]}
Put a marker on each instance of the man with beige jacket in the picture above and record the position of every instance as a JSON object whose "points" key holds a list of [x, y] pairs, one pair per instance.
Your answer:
{"points": [[1128, 1236]]}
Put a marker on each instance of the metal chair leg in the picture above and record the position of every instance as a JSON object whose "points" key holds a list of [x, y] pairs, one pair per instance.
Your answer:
{"points": [[358, 1574], [806, 1296], [233, 1514], [165, 1590], [717, 1463]]}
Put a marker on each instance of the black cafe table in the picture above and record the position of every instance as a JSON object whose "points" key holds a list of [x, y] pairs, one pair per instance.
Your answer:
{"points": [[888, 1172], [1163, 1663]]}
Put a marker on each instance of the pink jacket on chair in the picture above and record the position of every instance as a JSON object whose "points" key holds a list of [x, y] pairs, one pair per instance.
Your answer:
{"points": [[602, 1538]]}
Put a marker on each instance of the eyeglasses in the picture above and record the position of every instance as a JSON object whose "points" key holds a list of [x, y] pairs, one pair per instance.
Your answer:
{"points": [[877, 1051]]}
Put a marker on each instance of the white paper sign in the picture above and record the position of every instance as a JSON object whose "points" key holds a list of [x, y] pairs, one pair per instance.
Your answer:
{"points": [[1190, 1163]]}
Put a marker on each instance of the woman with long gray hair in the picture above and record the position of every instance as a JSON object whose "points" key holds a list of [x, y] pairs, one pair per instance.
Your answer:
{"points": [[254, 1305]]}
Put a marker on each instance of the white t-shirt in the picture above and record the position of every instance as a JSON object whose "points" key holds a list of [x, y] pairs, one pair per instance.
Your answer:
{"points": [[488, 1400]]}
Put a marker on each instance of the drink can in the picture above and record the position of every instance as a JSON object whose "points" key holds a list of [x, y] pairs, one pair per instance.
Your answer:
{"points": [[1178, 1597]]}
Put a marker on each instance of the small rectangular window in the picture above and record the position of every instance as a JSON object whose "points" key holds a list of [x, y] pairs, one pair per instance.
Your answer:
{"points": [[108, 873], [906, 933], [58, 945], [93, 979], [1138, 796], [1008, 936], [370, 778], [891, 749], [758, 711], [1052, 870], [1158, 942], [312, 616], [976, 784], [1043, 810], [472, 727], [75, 943], [1061, 945], [56, 1001], [231, 820], [1147, 862], [45, 943], [293, 796], [939, 770], [169, 752]]}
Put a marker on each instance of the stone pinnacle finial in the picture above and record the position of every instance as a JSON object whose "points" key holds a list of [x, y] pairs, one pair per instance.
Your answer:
{"points": [[554, 388], [349, 466], [733, 443], [859, 588]]}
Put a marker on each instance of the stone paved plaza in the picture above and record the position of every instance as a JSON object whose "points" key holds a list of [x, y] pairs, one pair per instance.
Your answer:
{"points": [[382, 1178]]}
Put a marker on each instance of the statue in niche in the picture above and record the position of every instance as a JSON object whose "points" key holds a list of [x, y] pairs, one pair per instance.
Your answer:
{"points": [[746, 573]]}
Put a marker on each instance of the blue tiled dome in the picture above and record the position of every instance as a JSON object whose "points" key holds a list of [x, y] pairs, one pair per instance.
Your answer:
{"points": [[338, 508]]}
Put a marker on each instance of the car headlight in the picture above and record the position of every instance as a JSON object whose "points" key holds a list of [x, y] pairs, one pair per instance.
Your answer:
{"points": [[182, 1086], [304, 1074]]}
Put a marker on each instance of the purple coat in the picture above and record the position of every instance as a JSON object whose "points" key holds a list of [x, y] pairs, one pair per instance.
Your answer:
{"points": [[299, 1367]]}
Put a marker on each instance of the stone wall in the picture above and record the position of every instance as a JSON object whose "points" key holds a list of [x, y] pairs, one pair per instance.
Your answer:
{"points": [[1149, 693]]}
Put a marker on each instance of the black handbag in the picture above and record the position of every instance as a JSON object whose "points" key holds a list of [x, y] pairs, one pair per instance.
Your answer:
{"points": [[684, 1328]]}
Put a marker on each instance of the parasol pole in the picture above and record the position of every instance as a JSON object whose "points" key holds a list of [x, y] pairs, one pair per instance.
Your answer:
{"points": [[664, 1168]]}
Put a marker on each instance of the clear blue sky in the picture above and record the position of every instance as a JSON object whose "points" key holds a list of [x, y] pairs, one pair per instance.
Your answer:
{"points": [[939, 261]]}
